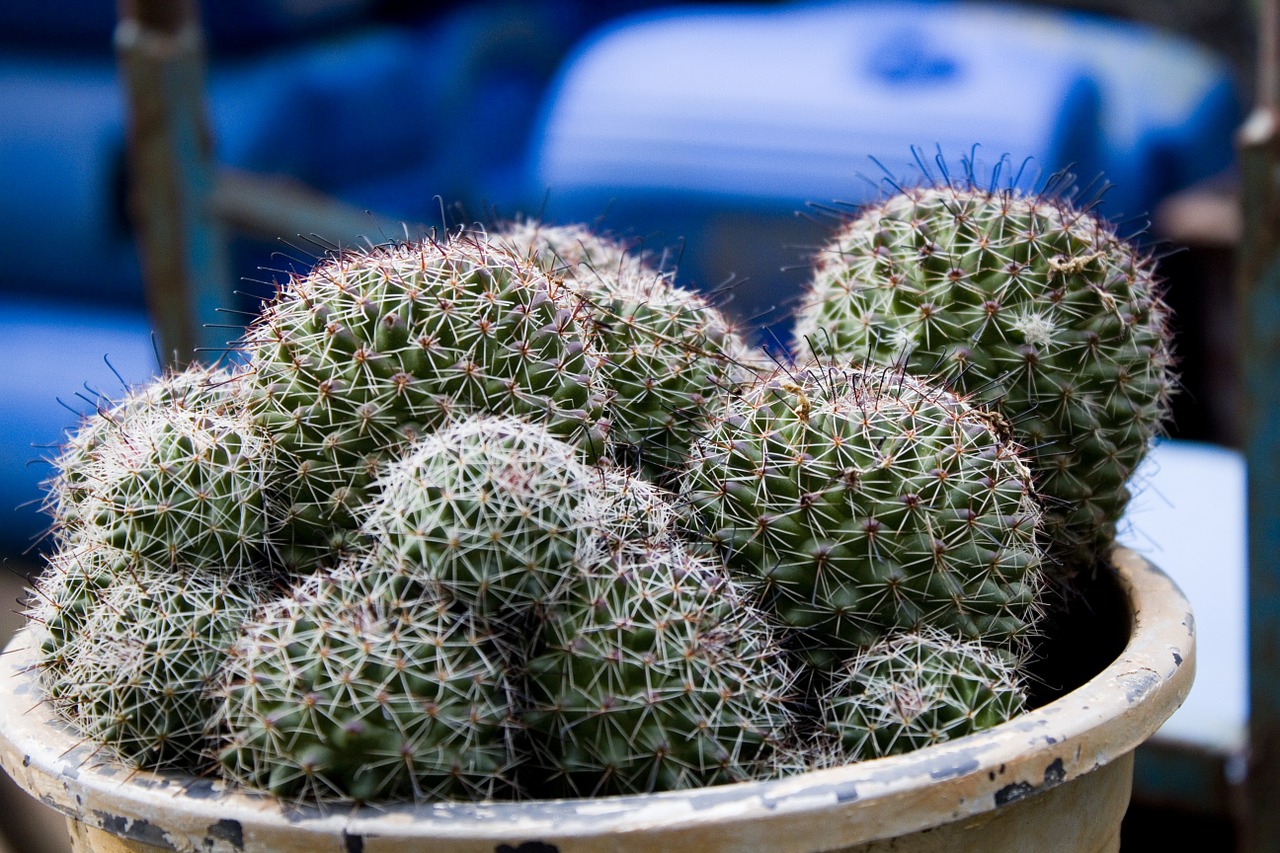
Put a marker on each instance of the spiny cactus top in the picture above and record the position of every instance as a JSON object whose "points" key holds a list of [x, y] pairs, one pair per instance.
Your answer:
{"points": [[915, 690], [336, 692], [176, 487], [1025, 304], [139, 672], [198, 388], [668, 351], [656, 675], [488, 509], [862, 501], [372, 348]]}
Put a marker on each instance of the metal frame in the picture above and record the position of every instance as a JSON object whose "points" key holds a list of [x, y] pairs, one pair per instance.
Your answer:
{"points": [[183, 204]]}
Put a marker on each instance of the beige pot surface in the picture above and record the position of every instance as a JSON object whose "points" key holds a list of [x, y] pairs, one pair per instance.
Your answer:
{"points": [[1055, 779]]}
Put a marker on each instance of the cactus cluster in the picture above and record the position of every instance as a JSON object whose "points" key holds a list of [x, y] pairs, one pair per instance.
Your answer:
{"points": [[1028, 306], [497, 515]]}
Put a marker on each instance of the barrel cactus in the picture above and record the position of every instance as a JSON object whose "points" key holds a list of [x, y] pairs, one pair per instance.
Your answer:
{"points": [[1026, 305], [173, 486], [858, 502], [655, 675], [487, 510], [139, 673], [667, 351], [337, 693], [371, 349], [917, 689]]}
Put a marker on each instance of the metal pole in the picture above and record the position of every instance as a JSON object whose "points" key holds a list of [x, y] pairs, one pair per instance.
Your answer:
{"points": [[1259, 324], [182, 245]]}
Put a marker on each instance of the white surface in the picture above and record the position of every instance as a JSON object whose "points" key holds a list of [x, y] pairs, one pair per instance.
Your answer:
{"points": [[1188, 517]]}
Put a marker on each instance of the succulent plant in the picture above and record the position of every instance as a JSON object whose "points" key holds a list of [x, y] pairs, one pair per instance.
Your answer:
{"points": [[338, 692], [655, 675], [142, 658], [1026, 305], [858, 502], [196, 388], [173, 486], [487, 510], [67, 592], [372, 349], [917, 689], [667, 351]]}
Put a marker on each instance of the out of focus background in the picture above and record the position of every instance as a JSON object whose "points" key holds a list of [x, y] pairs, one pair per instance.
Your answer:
{"points": [[163, 163]]}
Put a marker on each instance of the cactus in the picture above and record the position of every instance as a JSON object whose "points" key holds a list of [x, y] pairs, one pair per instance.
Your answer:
{"points": [[69, 590], [668, 352], [1031, 307], [858, 502], [172, 486], [487, 509], [371, 349], [336, 692], [197, 388], [139, 669], [656, 675], [917, 689]]}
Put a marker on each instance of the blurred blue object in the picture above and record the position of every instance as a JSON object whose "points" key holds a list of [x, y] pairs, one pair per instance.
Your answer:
{"points": [[55, 357], [710, 127], [87, 25]]}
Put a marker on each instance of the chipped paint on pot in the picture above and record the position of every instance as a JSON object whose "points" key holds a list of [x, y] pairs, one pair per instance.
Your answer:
{"points": [[1054, 779]]}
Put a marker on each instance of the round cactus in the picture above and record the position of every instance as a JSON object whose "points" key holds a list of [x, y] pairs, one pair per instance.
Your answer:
{"points": [[142, 664], [917, 689], [73, 584], [197, 388], [668, 352], [488, 509], [175, 486], [656, 675], [858, 502], [371, 349], [1027, 305], [570, 251], [336, 692]]}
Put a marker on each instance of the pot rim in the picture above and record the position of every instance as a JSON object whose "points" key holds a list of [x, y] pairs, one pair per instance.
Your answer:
{"points": [[1101, 721]]}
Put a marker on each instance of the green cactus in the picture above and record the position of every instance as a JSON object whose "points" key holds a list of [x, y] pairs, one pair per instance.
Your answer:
{"points": [[173, 486], [914, 690], [656, 675], [67, 592], [858, 502], [1026, 305], [372, 349], [196, 388], [337, 692], [487, 509], [138, 674], [668, 352]]}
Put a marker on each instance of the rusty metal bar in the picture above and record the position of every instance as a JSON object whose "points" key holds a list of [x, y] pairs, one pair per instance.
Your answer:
{"points": [[1259, 326], [183, 247], [277, 207]]}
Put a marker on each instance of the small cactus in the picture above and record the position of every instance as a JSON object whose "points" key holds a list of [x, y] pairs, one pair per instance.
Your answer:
{"points": [[338, 693], [655, 675], [372, 349], [918, 689], [863, 501], [173, 486], [1027, 305], [667, 351], [141, 665], [487, 509]]}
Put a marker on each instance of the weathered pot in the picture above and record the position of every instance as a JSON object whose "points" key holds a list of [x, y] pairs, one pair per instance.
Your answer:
{"points": [[1055, 779]]}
